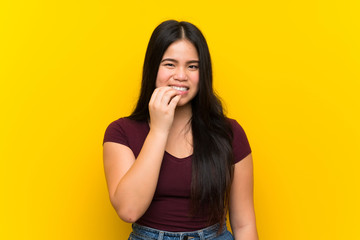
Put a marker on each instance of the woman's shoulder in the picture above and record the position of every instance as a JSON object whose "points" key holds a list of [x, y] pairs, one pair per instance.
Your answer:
{"points": [[235, 125], [241, 144], [124, 129], [231, 120]]}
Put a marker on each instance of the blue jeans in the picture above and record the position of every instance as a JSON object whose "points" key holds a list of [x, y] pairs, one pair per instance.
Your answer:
{"points": [[145, 233]]}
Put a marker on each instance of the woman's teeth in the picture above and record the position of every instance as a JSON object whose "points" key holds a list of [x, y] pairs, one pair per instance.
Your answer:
{"points": [[180, 88]]}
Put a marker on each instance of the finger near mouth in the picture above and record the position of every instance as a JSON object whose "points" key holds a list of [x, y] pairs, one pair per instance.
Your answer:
{"points": [[174, 97]]}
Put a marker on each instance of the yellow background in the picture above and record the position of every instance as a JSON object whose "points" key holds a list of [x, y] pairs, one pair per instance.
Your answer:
{"points": [[288, 71]]}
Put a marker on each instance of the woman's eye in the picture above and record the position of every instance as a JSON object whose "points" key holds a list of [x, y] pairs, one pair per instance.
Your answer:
{"points": [[193, 67], [169, 64]]}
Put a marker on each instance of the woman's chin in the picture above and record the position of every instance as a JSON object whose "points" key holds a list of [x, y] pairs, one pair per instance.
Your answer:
{"points": [[183, 103]]}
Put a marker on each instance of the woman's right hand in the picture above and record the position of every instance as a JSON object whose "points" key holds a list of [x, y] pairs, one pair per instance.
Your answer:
{"points": [[162, 108], [132, 182]]}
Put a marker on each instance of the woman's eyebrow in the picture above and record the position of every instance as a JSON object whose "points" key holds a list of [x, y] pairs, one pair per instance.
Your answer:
{"points": [[169, 59], [176, 61], [193, 61]]}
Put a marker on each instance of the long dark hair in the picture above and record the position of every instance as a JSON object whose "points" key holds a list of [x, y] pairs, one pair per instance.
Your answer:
{"points": [[212, 161]]}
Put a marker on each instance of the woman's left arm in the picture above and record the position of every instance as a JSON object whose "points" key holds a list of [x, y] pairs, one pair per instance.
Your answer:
{"points": [[241, 208]]}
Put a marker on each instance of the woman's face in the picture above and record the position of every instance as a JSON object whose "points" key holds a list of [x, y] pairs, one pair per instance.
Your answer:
{"points": [[179, 69]]}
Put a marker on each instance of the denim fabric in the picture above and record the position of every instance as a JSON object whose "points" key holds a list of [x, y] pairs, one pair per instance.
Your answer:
{"points": [[209, 233]]}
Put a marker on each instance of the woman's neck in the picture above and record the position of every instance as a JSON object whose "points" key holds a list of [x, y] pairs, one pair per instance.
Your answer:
{"points": [[182, 115], [179, 142]]}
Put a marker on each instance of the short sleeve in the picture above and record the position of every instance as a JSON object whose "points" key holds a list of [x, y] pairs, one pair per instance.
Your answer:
{"points": [[241, 146], [115, 133]]}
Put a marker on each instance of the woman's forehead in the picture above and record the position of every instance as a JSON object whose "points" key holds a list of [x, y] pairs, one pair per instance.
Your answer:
{"points": [[181, 49]]}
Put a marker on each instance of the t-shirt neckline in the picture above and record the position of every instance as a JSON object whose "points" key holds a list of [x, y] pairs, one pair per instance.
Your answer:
{"points": [[178, 158], [166, 152]]}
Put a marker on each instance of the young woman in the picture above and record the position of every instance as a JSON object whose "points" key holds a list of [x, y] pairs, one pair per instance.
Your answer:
{"points": [[177, 164]]}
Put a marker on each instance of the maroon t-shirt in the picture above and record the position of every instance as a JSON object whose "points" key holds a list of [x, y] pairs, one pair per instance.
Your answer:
{"points": [[170, 207]]}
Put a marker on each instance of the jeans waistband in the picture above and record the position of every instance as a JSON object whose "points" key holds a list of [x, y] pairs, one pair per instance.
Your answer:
{"points": [[151, 233]]}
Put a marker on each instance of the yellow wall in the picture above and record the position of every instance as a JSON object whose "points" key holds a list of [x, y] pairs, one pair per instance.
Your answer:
{"points": [[288, 71]]}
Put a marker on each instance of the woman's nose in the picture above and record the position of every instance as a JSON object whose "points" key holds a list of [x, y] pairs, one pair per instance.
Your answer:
{"points": [[180, 74]]}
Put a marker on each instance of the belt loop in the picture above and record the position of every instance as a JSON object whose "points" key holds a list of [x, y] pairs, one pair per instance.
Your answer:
{"points": [[161, 235], [201, 234]]}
